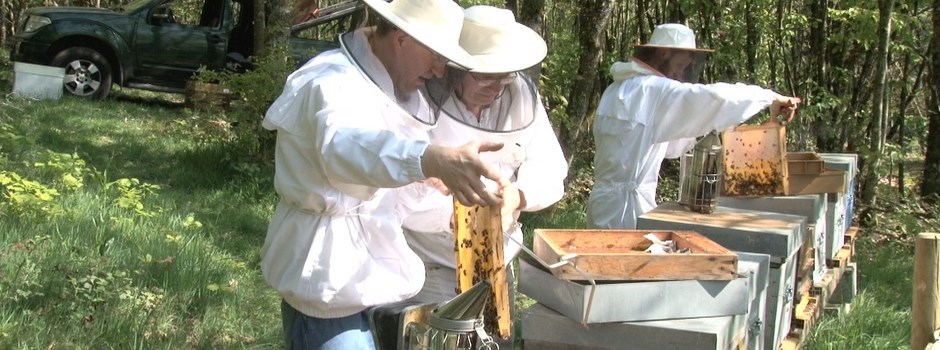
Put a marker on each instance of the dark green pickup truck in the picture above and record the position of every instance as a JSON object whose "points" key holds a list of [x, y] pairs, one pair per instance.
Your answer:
{"points": [[148, 44]]}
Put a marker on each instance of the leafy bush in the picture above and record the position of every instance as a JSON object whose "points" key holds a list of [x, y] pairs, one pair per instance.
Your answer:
{"points": [[254, 91]]}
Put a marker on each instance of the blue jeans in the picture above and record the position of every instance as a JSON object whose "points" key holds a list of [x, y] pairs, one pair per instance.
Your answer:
{"points": [[302, 332]]}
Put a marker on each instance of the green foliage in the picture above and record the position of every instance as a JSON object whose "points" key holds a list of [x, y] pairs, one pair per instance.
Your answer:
{"points": [[86, 293], [131, 194], [255, 89], [67, 170], [27, 198]]}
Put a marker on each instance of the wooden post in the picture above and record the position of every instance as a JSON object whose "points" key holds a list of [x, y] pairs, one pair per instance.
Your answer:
{"points": [[925, 311]]}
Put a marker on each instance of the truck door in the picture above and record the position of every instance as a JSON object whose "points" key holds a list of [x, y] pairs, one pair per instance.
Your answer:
{"points": [[179, 36]]}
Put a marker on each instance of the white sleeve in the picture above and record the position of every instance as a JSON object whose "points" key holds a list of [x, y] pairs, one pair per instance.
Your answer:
{"points": [[692, 110], [676, 148], [358, 144]]}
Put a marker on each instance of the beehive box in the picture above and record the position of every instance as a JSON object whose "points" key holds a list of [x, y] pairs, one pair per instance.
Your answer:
{"points": [[828, 181], [781, 289], [804, 163], [811, 206], [630, 301], [757, 266], [546, 329], [779, 235], [620, 255], [841, 205]]}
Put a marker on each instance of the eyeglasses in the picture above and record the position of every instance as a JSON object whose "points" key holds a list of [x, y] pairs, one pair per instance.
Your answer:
{"points": [[437, 57], [485, 80]]}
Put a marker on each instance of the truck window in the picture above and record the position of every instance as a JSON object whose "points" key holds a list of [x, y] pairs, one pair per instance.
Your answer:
{"points": [[195, 13]]}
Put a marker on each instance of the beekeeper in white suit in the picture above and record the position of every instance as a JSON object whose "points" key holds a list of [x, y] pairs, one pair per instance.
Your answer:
{"points": [[493, 102], [654, 107], [352, 141]]}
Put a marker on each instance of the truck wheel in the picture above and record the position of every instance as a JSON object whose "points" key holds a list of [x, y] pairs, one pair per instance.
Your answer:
{"points": [[87, 72]]}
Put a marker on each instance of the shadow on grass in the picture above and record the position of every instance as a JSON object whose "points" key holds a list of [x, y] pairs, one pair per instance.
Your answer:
{"points": [[150, 99]]}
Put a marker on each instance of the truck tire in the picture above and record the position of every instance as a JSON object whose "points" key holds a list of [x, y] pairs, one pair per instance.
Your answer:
{"points": [[87, 72]]}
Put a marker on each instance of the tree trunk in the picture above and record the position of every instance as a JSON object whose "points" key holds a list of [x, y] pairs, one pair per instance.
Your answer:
{"points": [[880, 105], [641, 14], [260, 37], [906, 97], [275, 28], [817, 65], [751, 41], [930, 185], [593, 17], [4, 11], [530, 14]]}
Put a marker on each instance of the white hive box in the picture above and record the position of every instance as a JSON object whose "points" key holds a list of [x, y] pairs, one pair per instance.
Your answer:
{"points": [[812, 206], [836, 224], [778, 235], [757, 267], [647, 301], [775, 234], [841, 205], [37, 81], [545, 329]]}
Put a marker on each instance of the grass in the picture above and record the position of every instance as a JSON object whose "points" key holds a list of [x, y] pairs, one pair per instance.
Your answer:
{"points": [[136, 222], [157, 248]]}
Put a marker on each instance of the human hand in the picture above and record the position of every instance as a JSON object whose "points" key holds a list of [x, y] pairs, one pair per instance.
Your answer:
{"points": [[783, 105], [460, 170]]}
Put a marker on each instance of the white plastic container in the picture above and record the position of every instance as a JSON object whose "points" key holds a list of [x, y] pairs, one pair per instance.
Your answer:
{"points": [[37, 81]]}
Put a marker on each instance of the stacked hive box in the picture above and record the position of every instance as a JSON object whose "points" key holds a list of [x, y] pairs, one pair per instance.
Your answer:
{"points": [[778, 235], [811, 261], [758, 266], [654, 313], [811, 206], [840, 204], [560, 327], [834, 293]]}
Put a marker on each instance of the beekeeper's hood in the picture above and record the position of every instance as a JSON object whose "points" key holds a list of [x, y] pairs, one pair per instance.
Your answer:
{"points": [[672, 53], [498, 45]]}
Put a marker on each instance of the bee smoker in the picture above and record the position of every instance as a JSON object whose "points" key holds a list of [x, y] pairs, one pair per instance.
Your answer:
{"points": [[454, 325], [700, 182]]}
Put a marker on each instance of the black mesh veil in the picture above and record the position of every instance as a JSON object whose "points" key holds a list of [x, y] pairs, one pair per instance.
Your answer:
{"points": [[514, 109], [679, 64]]}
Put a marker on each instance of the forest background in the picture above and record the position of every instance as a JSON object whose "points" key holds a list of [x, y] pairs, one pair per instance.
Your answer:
{"points": [[864, 69]]}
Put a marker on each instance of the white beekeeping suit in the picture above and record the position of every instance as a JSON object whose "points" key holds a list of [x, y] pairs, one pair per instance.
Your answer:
{"points": [[531, 158], [643, 113]]}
